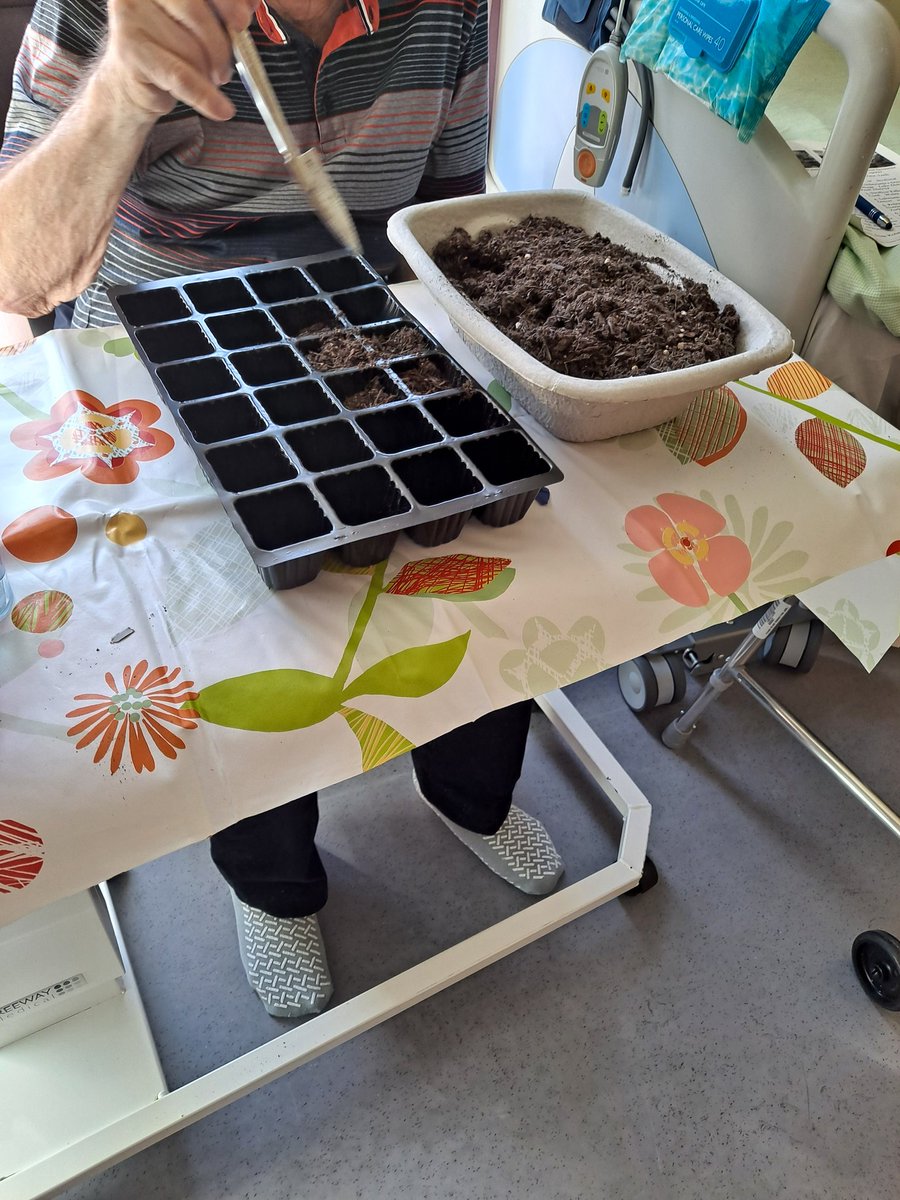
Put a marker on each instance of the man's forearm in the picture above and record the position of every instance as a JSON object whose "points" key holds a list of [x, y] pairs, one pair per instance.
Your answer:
{"points": [[58, 199]]}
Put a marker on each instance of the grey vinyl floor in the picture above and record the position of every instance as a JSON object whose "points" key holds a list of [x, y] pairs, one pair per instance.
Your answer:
{"points": [[707, 1039]]}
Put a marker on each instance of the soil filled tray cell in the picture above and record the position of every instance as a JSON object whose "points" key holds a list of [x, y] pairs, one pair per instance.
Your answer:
{"points": [[468, 412], [396, 429], [437, 476], [218, 295], [255, 463], [337, 351], [167, 343], [364, 389], [437, 533], [339, 273], [424, 376], [504, 457], [243, 329], [273, 365], [222, 420], [367, 305], [322, 447], [282, 517], [153, 306], [365, 495], [396, 340], [195, 380], [285, 284], [293, 403]]}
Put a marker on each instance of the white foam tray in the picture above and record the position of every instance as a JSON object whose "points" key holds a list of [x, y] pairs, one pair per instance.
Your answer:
{"points": [[573, 408]]}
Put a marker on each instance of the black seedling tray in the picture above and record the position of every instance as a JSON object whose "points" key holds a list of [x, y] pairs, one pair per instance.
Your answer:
{"points": [[302, 462]]}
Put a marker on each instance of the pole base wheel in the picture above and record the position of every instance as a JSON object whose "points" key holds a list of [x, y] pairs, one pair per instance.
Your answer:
{"points": [[651, 681], [876, 961], [795, 646]]}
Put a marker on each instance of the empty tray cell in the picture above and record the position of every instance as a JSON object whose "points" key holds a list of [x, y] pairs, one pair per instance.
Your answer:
{"points": [[305, 319], [292, 403], [506, 456], [401, 428], [194, 380], [507, 510], [243, 329], [399, 339], [284, 284], [366, 551], [254, 463], [282, 517], [166, 343], [223, 419], [217, 295], [153, 306], [437, 476], [437, 533], [330, 444], [364, 389], [367, 305], [271, 365], [338, 273], [364, 495], [469, 412], [337, 351], [423, 376]]}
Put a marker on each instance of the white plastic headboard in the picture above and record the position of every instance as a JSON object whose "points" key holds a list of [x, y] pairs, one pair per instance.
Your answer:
{"points": [[771, 227]]}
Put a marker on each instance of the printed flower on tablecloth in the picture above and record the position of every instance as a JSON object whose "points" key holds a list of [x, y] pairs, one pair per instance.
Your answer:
{"points": [[143, 707], [860, 636], [694, 556], [550, 658], [21, 855], [81, 434]]}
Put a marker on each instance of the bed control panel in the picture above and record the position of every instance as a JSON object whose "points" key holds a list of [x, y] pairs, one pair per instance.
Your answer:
{"points": [[601, 103]]}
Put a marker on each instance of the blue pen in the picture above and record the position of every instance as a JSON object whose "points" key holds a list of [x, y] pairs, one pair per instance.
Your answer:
{"points": [[868, 209]]}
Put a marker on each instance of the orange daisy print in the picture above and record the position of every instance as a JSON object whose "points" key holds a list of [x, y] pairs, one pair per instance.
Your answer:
{"points": [[81, 434], [130, 717]]}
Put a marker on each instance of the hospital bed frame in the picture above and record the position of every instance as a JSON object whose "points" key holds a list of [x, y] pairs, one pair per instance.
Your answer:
{"points": [[775, 230]]}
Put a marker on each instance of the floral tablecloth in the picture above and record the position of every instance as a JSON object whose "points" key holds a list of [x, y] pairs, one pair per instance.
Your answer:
{"points": [[153, 691]]}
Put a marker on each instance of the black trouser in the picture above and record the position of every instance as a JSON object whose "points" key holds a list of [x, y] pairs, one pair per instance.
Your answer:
{"points": [[271, 860]]}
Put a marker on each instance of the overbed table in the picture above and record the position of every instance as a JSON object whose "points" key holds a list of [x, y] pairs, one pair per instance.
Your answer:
{"points": [[153, 691]]}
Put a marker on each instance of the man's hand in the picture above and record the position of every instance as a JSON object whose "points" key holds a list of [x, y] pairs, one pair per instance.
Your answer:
{"points": [[161, 51]]}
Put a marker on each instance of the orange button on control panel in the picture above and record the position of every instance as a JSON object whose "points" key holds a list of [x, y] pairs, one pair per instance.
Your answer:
{"points": [[587, 164], [605, 93], [591, 88]]}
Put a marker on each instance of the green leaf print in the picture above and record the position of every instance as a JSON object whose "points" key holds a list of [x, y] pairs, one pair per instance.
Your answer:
{"points": [[495, 588], [413, 672], [269, 701], [119, 347], [378, 741]]}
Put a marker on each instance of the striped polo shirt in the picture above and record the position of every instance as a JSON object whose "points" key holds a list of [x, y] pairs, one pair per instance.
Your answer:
{"points": [[399, 116]]}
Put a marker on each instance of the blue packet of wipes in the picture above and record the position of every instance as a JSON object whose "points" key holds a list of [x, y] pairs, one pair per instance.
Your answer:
{"points": [[713, 29]]}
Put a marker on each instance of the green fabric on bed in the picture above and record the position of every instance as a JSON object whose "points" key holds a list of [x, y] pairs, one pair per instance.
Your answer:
{"points": [[865, 280]]}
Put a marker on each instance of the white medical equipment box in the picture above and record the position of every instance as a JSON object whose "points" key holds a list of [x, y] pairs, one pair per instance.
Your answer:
{"points": [[57, 961]]}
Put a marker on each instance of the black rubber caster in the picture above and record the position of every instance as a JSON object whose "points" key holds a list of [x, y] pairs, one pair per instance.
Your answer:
{"points": [[876, 961], [652, 681], [795, 646], [649, 879]]}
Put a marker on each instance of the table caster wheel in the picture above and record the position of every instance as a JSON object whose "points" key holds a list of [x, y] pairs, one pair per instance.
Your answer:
{"points": [[795, 646], [876, 961], [651, 681], [649, 879]]}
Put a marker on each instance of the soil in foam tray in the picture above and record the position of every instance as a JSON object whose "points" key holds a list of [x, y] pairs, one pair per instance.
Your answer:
{"points": [[584, 305]]}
